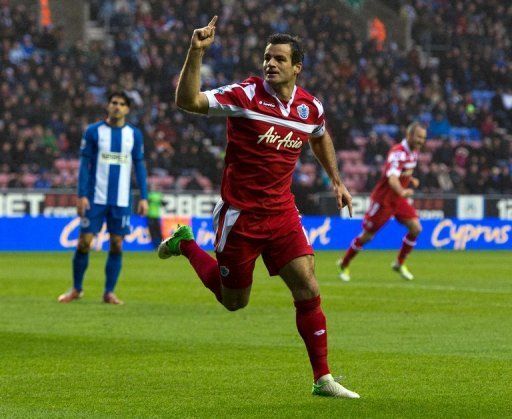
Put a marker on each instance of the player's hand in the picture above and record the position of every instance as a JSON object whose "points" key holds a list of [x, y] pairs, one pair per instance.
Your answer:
{"points": [[142, 207], [343, 197], [415, 182], [82, 205], [406, 193], [202, 38]]}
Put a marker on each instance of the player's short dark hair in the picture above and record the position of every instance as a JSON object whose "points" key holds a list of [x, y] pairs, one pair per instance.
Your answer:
{"points": [[120, 94], [293, 41]]}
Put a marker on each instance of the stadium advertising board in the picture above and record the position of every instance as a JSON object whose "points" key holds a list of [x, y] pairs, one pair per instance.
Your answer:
{"points": [[428, 207], [324, 233], [63, 204]]}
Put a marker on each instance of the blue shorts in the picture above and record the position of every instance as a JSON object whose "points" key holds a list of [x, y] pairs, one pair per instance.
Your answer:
{"points": [[118, 219]]}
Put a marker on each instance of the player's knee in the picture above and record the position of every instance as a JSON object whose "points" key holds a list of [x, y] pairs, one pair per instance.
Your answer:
{"points": [[83, 246], [311, 291], [234, 305], [365, 237], [116, 246], [307, 288], [116, 249], [416, 229]]}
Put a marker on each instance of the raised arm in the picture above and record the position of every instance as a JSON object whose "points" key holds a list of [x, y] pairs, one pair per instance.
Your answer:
{"points": [[323, 149], [188, 94]]}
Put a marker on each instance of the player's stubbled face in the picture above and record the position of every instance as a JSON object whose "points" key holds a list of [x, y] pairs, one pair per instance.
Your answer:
{"points": [[117, 108], [419, 137], [277, 64]]}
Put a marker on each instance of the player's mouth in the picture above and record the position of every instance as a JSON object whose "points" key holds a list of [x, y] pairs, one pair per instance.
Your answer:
{"points": [[272, 73]]}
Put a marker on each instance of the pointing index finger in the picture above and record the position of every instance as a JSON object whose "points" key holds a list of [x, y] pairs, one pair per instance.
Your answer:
{"points": [[212, 22]]}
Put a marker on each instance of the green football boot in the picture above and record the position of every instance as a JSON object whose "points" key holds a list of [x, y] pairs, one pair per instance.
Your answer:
{"points": [[403, 271], [171, 245]]}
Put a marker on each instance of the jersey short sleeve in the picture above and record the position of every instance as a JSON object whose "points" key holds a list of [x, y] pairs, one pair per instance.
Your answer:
{"points": [[320, 121], [395, 163], [230, 100]]}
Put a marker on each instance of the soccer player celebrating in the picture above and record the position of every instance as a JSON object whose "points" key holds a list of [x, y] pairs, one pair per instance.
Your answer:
{"points": [[268, 122], [389, 198], [108, 150]]}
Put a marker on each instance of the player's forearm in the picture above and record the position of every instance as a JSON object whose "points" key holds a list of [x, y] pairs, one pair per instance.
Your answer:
{"points": [[189, 83], [141, 176], [394, 184], [323, 150], [83, 176]]}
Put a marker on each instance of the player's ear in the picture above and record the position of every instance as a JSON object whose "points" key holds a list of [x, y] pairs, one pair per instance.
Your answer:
{"points": [[298, 68]]}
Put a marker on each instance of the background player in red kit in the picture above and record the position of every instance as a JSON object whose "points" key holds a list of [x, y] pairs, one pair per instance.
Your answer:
{"points": [[389, 198], [268, 122]]}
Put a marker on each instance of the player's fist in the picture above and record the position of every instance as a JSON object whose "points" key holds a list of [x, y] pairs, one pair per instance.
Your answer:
{"points": [[202, 38], [142, 207], [406, 193], [343, 197], [82, 205], [415, 182]]}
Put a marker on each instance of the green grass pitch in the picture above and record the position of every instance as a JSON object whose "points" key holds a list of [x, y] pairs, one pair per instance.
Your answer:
{"points": [[439, 346]]}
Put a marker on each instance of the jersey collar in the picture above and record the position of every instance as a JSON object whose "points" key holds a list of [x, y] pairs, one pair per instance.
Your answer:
{"points": [[285, 110], [405, 144]]}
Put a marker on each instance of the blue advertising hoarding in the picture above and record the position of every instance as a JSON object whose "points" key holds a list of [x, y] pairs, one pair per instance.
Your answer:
{"points": [[325, 233]]}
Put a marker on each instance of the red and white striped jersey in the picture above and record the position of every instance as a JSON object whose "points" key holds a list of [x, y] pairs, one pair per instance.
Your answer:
{"points": [[401, 162], [264, 141]]}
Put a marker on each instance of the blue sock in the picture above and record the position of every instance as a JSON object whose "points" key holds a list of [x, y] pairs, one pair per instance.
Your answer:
{"points": [[80, 262], [112, 270]]}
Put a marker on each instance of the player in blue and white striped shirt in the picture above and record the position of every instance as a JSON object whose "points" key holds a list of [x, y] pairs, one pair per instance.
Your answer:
{"points": [[109, 149]]}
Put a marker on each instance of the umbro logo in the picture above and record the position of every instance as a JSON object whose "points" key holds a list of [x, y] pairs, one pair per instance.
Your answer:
{"points": [[270, 105], [319, 332]]}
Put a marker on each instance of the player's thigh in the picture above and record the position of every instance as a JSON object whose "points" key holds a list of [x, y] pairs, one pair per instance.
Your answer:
{"points": [[299, 276], [118, 220], [376, 216], [236, 260], [287, 242], [92, 221], [407, 215]]}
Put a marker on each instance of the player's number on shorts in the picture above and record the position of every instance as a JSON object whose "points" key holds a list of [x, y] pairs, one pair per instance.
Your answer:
{"points": [[125, 221]]}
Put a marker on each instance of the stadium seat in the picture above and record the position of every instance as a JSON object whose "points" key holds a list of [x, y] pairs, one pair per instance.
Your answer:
{"points": [[74, 164], [29, 179], [391, 130], [482, 98], [425, 158], [4, 179], [60, 164]]}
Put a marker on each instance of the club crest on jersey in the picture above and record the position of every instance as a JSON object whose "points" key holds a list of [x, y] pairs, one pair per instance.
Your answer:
{"points": [[303, 111]]}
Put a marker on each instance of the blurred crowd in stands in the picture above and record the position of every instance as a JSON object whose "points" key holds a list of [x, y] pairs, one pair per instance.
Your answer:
{"points": [[461, 88]]}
